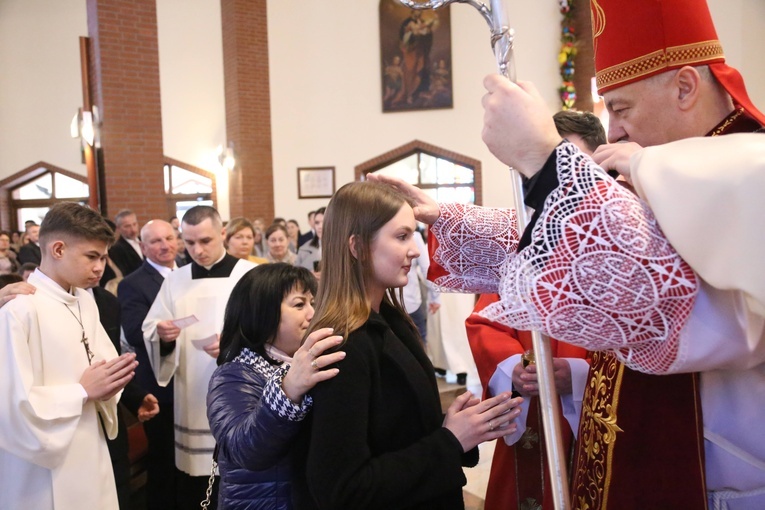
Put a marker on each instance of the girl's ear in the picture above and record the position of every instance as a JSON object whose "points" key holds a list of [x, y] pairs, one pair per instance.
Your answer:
{"points": [[352, 246]]}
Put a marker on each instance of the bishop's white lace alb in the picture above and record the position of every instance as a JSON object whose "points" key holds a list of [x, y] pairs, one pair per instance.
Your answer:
{"points": [[598, 274]]}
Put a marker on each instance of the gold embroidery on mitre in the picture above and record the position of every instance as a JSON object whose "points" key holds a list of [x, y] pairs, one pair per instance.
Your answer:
{"points": [[598, 432], [597, 21], [688, 54]]}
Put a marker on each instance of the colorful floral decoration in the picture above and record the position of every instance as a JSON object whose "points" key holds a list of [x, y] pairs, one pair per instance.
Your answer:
{"points": [[566, 56]]}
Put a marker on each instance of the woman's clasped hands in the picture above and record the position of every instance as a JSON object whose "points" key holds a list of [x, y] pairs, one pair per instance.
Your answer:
{"points": [[473, 421]]}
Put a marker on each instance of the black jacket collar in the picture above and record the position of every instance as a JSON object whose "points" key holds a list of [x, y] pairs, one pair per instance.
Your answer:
{"points": [[222, 269], [404, 348]]}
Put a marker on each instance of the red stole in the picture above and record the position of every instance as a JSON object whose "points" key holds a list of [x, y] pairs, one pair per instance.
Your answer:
{"points": [[640, 442]]}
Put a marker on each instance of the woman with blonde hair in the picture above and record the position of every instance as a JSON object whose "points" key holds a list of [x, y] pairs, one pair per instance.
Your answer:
{"points": [[378, 438], [240, 240]]}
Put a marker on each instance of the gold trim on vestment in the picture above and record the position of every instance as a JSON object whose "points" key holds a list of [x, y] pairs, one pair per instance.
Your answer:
{"points": [[610, 441], [728, 121], [688, 54], [598, 432]]}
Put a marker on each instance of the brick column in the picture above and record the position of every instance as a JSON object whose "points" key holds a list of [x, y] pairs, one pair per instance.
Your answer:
{"points": [[248, 107], [584, 62], [126, 87]]}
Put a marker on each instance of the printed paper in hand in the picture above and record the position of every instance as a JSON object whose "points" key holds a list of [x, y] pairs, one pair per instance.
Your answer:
{"points": [[201, 343], [185, 322]]}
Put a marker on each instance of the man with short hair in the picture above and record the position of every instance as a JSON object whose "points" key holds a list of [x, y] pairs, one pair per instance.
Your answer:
{"points": [[583, 129], [126, 252], [137, 292], [30, 252], [310, 233], [185, 353], [61, 374]]}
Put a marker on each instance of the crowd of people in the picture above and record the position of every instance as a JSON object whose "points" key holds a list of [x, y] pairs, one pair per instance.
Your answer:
{"points": [[292, 362]]}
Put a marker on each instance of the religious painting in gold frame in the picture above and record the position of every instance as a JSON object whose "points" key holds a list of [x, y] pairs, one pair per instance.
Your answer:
{"points": [[416, 58]]}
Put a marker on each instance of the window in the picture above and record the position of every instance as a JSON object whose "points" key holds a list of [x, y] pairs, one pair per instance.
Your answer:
{"points": [[446, 176], [34, 190], [187, 186]]}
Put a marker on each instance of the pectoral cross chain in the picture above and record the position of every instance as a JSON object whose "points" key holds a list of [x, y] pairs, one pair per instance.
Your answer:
{"points": [[88, 352]]}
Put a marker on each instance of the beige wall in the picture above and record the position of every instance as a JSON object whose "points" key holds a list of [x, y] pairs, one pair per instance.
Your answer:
{"points": [[40, 87], [325, 89], [191, 85], [325, 83]]}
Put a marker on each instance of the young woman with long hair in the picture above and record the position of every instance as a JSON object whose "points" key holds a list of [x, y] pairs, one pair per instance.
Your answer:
{"points": [[378, 437], [257, 396]]}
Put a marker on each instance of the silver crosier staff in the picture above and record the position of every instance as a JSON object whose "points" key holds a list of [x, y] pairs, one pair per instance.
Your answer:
{"points": [[502, 43]]}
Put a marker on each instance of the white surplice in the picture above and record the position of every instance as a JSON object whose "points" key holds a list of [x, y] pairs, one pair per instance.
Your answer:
{"points": [[707, 194], [206, 299], [53, 454]]}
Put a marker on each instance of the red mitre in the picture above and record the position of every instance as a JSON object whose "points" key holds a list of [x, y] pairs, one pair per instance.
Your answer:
{"points": [[635, 40]]}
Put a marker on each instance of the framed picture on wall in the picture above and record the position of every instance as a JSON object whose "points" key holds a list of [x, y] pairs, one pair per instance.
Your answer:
{"points": [[416, 58], [316, 182]]}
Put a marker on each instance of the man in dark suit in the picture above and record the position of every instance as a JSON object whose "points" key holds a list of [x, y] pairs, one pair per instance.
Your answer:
{"points": [[136, 295], [126, 252], [304, 238], [134, 398], [30, 252]]}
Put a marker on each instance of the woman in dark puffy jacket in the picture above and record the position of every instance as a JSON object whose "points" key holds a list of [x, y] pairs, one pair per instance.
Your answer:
{"points": [[257, 398]]}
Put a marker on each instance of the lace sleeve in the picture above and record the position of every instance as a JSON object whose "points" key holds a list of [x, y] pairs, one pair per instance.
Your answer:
{"points": [[471, 245], [599, 273]]}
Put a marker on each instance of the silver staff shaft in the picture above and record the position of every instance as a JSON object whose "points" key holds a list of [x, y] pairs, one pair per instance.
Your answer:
{"points": [[549, 404], [502, 43]]}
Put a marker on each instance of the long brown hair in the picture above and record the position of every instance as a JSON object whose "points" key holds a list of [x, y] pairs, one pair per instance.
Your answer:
{"points": [[357, 210]]}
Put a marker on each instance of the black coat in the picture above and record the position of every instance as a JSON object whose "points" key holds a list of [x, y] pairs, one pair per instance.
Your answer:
{"points": [[136, 294], [377, 440], [30, 252], [304, 238], [125, 256], [132, 397]]}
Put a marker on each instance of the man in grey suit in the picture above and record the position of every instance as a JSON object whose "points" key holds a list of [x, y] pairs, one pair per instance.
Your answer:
{"points": [[136, 294]]}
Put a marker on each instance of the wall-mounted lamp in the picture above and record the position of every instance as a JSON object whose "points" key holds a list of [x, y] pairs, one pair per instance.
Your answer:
{"points": [[83, 126], [226, 157]]}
